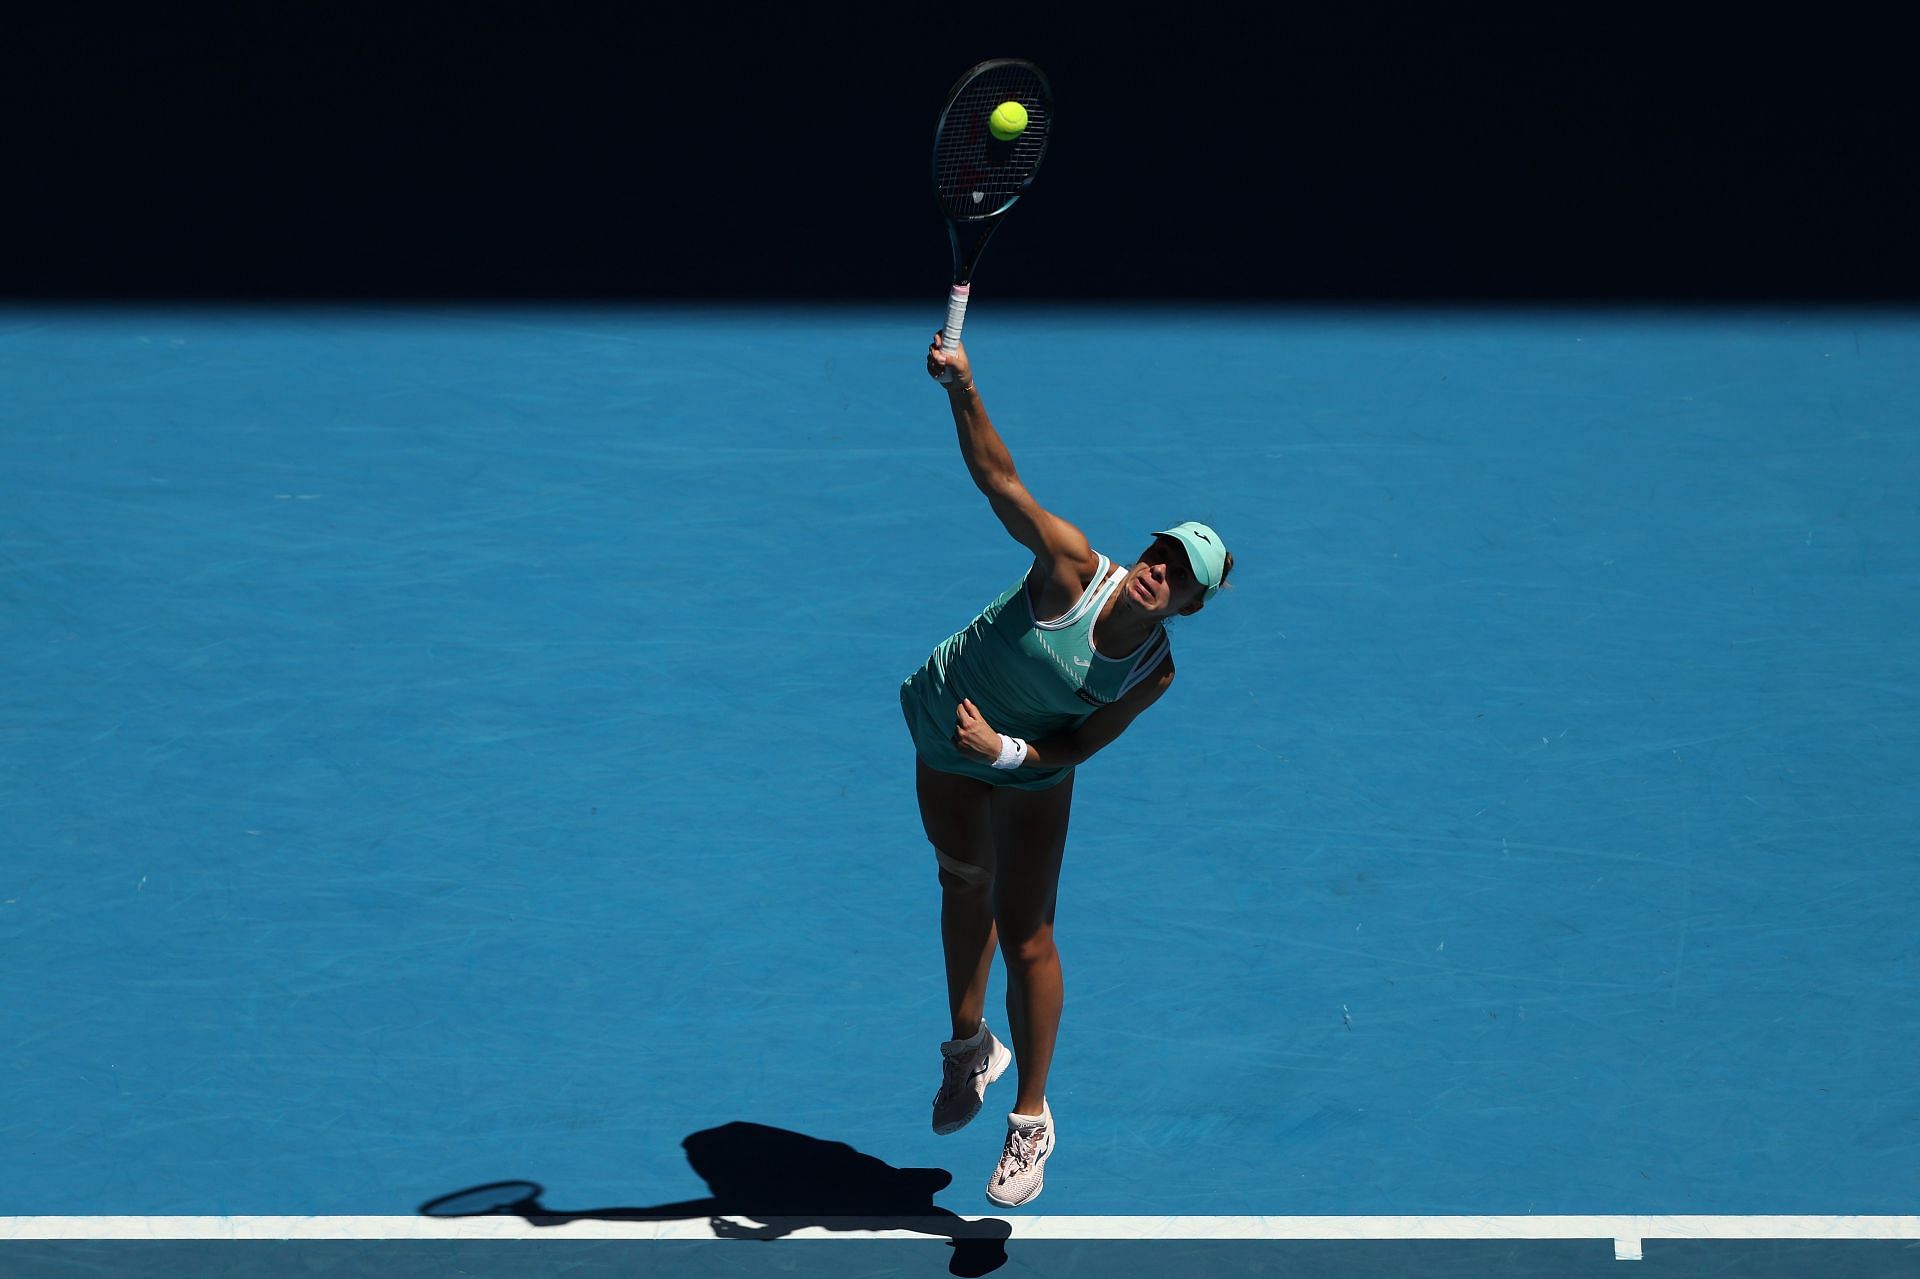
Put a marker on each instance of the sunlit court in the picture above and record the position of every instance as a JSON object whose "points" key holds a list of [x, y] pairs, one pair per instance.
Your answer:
{"points": [[452, 747]]}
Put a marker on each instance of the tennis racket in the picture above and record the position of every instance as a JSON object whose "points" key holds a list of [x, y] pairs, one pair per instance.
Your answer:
{"points": [[976, 176]]}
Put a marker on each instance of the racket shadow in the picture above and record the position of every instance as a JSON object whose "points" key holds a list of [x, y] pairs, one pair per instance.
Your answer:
{"points": [[785, 1181]]}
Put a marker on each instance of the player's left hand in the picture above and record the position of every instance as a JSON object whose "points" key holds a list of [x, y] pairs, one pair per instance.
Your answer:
{"points": [[973, 735]]}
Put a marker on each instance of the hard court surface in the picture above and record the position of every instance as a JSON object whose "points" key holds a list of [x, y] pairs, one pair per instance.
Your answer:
{"points": [[442, 747]]}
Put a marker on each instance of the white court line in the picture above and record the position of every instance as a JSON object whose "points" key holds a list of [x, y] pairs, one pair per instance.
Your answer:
{"points": [[1628, 1233]]}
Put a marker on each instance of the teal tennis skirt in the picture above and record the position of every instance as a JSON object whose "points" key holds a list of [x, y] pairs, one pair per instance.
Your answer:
{"points": [[929, 709]]}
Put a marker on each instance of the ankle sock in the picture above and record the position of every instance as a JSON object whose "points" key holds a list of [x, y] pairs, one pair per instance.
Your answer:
{"points": [[1031, 1121]]}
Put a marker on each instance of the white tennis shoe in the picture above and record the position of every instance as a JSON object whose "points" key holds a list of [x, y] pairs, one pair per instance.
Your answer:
{"points": [[967, 1067], [1020, 1175]]}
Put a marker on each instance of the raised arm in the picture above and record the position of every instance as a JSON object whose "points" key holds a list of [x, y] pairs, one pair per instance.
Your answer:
{"points": [[1059, 549]]}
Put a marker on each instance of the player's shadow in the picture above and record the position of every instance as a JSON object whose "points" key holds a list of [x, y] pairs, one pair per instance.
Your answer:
{"points": [[783, 1180]]}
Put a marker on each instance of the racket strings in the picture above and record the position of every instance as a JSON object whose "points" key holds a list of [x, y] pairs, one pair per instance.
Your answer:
{"points": [[976, 175]]}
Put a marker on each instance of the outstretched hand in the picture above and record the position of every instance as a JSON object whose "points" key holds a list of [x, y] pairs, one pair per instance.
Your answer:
{"points": [[973, 735], [941, 357]]}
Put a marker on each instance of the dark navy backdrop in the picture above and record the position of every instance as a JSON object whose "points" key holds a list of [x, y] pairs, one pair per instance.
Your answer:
{"points": [[1228, 150]]}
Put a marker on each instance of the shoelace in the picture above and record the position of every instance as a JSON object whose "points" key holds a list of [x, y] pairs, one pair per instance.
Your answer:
{"points": [[1023, 1150], [957, 1073]]}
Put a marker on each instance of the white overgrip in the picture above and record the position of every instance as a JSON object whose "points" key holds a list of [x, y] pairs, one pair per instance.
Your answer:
{"points": [[956, 318]]}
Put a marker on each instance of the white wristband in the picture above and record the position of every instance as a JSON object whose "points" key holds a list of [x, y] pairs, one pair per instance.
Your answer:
{"points": [[1013, 752]]}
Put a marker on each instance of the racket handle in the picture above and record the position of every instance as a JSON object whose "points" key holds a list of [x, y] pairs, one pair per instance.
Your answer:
{"points": [[956, 317]]}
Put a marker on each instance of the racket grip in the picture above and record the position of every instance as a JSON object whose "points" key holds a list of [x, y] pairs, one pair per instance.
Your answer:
{"points": [[956, 317]]}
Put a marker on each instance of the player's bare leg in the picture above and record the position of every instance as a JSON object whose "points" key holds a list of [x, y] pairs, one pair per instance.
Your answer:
{"points": [[957, 814], [1030, 838], [1030, 835]]}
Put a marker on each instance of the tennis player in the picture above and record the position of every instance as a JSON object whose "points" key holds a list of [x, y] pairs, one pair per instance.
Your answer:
{"points": [[1049, 673]]}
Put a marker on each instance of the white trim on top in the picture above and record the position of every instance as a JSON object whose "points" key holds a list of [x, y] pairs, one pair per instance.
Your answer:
{"points": [[1079, 609], [1147, 660]]}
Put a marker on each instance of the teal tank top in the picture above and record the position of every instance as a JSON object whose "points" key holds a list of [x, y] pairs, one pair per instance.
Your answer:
{"points": [[1029, 678]]}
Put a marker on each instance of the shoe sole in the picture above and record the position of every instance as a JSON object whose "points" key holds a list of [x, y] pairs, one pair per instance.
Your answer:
{"points": [[1017, 1203], [997, 1064]]}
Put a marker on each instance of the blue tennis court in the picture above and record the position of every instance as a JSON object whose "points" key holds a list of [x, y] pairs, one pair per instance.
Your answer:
{"points": [[444, 747]]}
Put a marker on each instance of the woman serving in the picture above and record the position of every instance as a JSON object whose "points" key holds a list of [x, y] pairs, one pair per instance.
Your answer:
{"points": [[1003, 711]]}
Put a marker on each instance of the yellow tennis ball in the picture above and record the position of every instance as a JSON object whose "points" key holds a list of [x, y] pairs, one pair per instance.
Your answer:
{"points": [[1008, 121]]}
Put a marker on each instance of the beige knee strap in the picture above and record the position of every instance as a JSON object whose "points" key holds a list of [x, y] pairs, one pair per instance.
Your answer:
{"points": [[965, 872]]}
